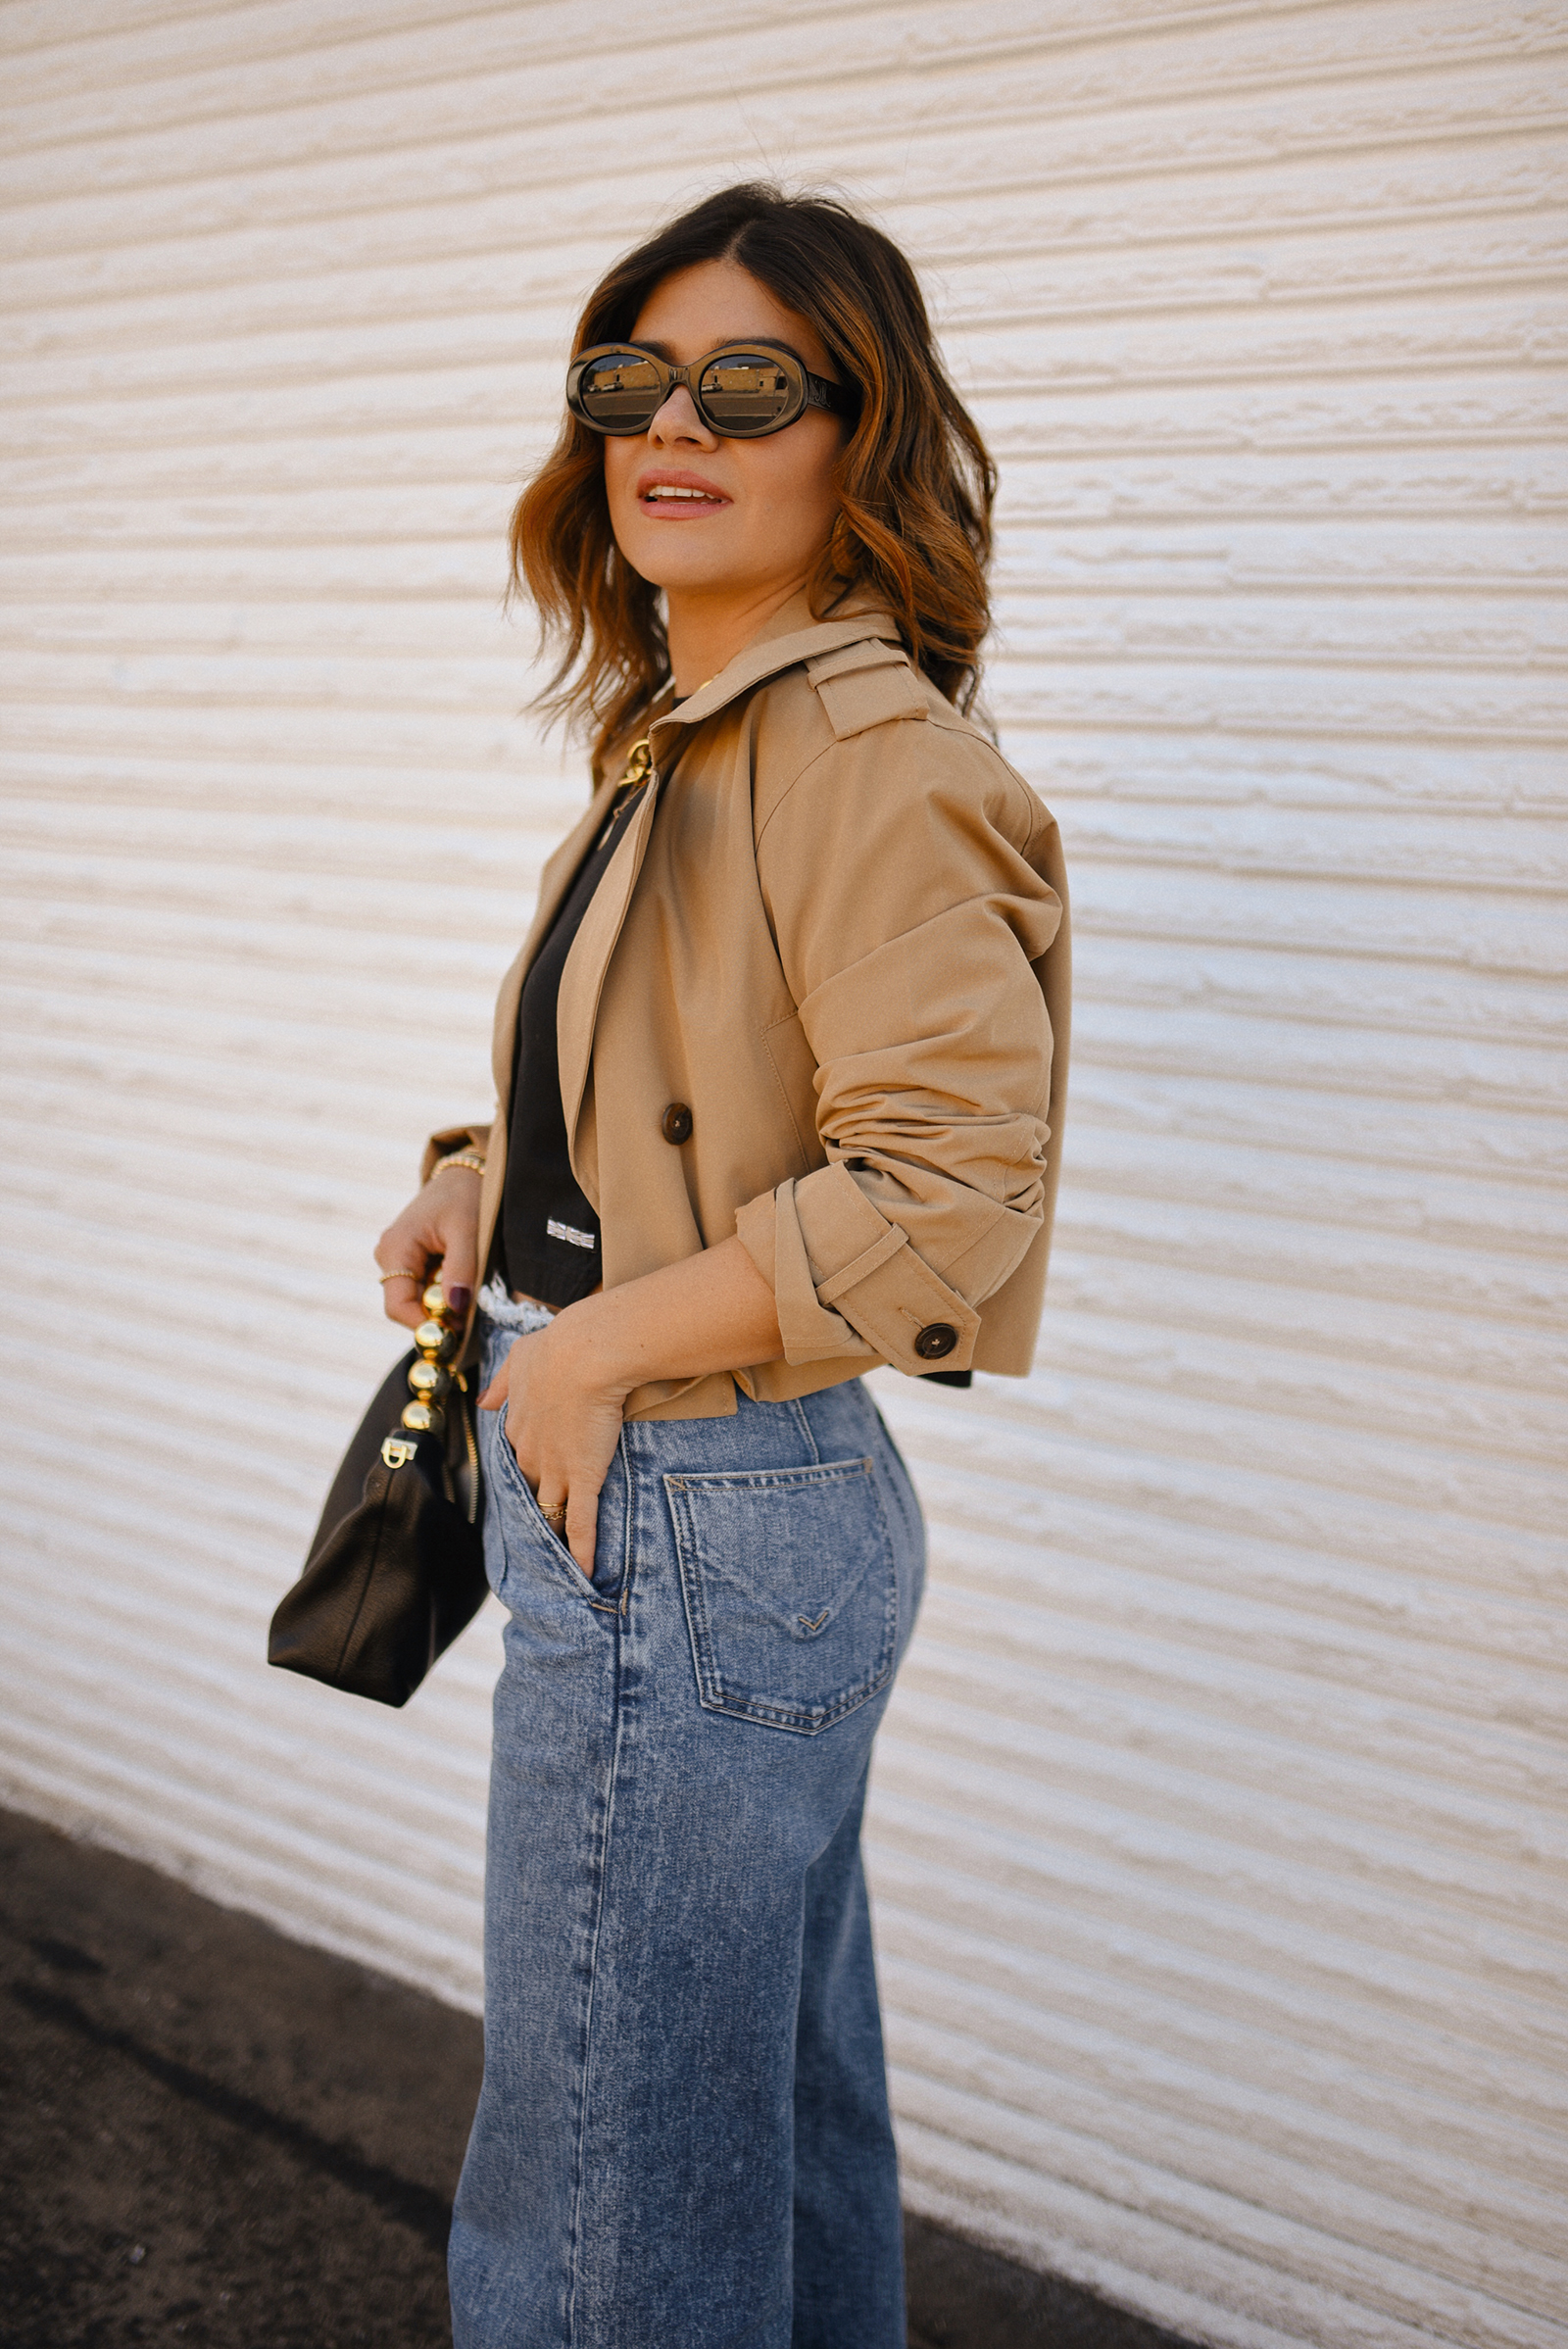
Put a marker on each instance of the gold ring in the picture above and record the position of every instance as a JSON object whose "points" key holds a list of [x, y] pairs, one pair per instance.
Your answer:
{"points": [[402, 1274], [555, 1516]]}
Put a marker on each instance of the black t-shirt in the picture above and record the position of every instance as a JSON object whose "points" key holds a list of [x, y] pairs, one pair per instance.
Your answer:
{"points": [[549, 1234]]}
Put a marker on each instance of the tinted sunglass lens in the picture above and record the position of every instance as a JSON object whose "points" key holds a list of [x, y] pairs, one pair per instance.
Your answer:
{"points": [[745, 391], [621, 392]]}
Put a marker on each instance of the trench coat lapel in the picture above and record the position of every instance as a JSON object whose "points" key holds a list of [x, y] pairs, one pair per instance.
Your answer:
{"points": [[553, 883], [582, 979], [791, 636]]}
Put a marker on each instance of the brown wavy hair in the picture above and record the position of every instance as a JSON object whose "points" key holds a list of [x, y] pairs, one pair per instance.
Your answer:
{"points": [[915, 480]]}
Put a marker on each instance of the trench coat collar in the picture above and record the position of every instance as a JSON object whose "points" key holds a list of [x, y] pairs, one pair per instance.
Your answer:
{"points": [[792, 635]]}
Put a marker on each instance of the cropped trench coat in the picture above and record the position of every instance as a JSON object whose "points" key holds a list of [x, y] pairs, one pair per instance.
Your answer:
{"points": [[820, 997]]}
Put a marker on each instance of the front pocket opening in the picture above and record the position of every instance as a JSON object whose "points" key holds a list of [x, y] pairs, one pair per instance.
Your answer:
{"points": [[606, 1601]]}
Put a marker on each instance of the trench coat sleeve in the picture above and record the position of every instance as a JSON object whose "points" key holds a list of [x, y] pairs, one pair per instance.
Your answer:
{"points": [[454, 1138], [904, 875]]}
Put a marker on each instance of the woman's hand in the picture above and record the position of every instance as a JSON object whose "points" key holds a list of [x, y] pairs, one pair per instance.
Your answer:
{"points": [[439, 1228], [564, 1389], [564, 1420]]}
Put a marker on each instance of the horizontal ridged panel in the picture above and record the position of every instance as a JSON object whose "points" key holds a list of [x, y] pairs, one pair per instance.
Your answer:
{"points": [[1220, 1826]]}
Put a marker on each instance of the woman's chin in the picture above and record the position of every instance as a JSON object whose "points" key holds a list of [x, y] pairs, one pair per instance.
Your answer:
{"points": [[689, 570]]}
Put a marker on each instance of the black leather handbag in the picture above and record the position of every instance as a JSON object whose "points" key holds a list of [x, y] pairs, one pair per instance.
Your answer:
{"points": [[396, 1569]]}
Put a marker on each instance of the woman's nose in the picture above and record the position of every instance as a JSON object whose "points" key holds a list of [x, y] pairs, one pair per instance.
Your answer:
{"points": [[678, 419]]}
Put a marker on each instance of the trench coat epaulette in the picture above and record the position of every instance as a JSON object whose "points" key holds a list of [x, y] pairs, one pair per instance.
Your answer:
{"points": [[865, 684]]}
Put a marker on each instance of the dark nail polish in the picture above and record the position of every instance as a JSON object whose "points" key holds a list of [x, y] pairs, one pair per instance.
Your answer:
{"points": [[458, 1299]]}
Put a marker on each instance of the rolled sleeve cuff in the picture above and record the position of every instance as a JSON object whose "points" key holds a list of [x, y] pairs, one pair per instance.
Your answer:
{"points": [[772, 1237], [456, 1138], [848, 1282]]}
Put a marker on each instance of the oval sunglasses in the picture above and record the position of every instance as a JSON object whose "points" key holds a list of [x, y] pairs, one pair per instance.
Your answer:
{"points": [[741, 392]]}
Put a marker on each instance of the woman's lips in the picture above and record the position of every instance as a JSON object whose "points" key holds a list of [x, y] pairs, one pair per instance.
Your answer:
{"points": [[678, 497]]}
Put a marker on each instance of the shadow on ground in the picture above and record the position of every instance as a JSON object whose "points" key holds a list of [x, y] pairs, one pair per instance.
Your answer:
{"points": [[216, 2136]]}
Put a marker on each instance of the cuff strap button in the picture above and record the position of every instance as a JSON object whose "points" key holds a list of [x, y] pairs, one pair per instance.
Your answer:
{"points": [[937, 1338]]}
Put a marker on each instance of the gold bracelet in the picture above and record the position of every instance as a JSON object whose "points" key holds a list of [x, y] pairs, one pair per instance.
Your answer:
{"points": [[468, 1158]]}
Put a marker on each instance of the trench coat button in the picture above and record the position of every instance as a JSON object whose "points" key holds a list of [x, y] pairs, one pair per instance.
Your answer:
{"points": [[937, 1338], [676, 1123]]}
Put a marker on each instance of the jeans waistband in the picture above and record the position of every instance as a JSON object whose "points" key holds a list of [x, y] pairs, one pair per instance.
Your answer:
{"points": [[520, 1314]]}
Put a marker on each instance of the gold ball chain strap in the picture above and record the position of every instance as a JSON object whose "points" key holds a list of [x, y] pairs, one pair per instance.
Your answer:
{"points": [[430, 1380]]}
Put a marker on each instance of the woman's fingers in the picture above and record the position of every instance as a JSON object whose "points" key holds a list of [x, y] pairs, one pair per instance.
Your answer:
{"points": [[459, 1250], [562, 1438], [574, 1521], [498, 1395], [456, 1218], [403, 1259], [552, 1509], [404, 1252], [572, 1516], [582, 1535], [441, 1227], [400, 1298]]}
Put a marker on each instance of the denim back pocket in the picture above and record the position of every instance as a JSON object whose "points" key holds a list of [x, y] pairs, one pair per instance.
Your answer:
{"points": [[791, 1591]]}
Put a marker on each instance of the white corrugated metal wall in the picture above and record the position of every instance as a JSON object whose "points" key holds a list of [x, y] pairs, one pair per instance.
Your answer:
{"points": [[1220, 1832]]}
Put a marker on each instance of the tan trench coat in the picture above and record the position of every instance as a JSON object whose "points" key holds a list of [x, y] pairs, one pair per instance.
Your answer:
{"points": [[836, 933]]}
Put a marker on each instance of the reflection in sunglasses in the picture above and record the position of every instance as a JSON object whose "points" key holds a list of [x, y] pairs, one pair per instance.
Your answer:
{"points": [[737, 390]]}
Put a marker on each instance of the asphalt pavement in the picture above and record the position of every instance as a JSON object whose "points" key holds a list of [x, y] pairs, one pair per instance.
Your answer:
{"points": [[213, 2135]]}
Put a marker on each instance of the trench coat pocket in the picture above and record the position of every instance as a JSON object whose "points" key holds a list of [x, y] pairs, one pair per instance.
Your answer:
{"points": [[790, 1589]]}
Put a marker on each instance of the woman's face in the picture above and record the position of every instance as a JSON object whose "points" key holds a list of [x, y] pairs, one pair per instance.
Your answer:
{"points": [[763, 507]]}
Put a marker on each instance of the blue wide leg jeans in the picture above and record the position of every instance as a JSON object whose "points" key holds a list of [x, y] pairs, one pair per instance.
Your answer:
{"points": [[682, 2139]]}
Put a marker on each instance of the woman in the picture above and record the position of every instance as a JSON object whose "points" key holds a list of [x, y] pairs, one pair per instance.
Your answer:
{"points": [[778, 1102]]}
